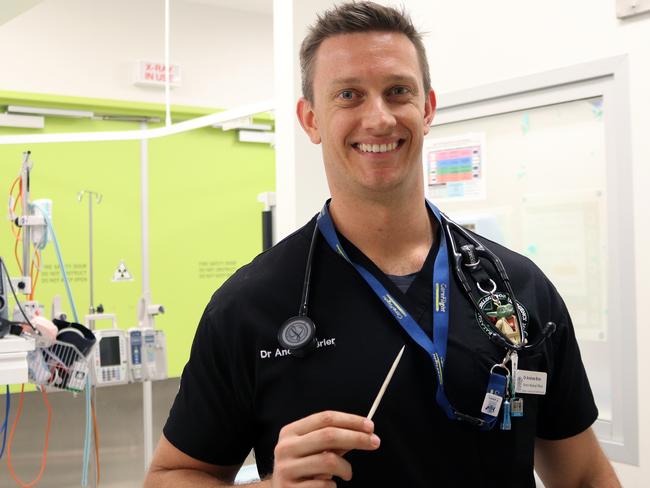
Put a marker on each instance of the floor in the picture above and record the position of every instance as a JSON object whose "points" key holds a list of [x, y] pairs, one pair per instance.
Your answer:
{"points": [[119, 417]]}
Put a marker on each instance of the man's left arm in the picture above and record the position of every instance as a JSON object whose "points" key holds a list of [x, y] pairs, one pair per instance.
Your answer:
{"points": [[574, 462]]}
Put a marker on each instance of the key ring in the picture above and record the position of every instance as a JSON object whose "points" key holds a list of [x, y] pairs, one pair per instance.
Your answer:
{"points": [[494, 287], [506, 358], [503, 367]]}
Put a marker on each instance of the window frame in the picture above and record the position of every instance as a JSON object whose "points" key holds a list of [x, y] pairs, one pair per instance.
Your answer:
{"points": [[607, 78]]}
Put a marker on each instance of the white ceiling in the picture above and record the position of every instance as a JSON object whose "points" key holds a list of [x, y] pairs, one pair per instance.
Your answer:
{"points": [[255, 6]]}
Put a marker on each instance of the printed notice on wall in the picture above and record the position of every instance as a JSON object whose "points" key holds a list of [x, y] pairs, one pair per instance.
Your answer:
{"points": [[455, 167], [216, 270], [76, 272]]}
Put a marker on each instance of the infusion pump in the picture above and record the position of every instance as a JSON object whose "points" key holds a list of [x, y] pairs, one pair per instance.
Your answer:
{"points": [[110, 364], [139, 354], [147, 354]]}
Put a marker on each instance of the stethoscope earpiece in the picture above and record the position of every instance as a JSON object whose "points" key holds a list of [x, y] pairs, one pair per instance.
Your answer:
{"points": [[298, 334]]}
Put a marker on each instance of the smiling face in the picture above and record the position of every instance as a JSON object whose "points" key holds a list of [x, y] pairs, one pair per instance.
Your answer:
{"points": [[370, 113]]}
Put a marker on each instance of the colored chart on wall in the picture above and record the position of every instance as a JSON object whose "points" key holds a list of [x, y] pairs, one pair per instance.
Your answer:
{"points": [[455, 167]]}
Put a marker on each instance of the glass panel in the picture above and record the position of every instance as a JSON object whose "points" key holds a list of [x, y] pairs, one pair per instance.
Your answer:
{"points": [[534, 181]]}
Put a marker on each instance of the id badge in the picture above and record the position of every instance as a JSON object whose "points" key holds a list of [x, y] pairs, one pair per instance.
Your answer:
{"points": [[491, 404], [531, 382]]}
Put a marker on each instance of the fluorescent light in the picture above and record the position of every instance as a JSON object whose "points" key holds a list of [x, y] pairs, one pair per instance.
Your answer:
{"points": [[262, 127], [257, 127], [131, 135], [245, 123], [77, 114], [128, 118], [256, 136], [236, 123], [22, 121]]}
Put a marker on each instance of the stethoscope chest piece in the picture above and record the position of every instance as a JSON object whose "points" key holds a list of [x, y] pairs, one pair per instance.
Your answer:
{"points": [[298, 334]]}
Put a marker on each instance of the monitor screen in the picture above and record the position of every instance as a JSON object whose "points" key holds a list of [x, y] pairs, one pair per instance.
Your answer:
{"points": [[109, 351]]}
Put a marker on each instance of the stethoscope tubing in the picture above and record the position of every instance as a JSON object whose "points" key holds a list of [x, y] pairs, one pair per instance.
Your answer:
{"points": [[494, 334], [448, 227], [304, 300]]}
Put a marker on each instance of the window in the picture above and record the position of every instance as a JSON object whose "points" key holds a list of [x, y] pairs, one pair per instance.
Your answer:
{"points": [[542, 165]]}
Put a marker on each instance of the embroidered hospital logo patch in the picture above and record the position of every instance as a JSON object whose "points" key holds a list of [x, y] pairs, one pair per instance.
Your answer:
{"points": [[502, 315]]}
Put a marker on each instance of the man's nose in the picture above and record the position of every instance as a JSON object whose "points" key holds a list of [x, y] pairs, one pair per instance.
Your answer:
{"points": [[378, 117]]}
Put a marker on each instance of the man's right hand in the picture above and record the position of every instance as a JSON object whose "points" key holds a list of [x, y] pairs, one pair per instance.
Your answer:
{"points": [[309, 452]]}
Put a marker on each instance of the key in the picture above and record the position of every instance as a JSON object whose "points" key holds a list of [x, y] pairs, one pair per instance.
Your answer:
{"points": [[517, 407]]}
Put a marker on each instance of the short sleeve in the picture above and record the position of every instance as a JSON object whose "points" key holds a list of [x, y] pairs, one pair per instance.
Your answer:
{"points": [[568, 408], [211, 417]]}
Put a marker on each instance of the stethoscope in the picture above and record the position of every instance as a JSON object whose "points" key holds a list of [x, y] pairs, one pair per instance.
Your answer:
{"points": [[298, 333], [466, 259]]}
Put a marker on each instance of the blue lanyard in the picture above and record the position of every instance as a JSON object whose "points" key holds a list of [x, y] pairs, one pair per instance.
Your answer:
{"points": [[436, 348]]}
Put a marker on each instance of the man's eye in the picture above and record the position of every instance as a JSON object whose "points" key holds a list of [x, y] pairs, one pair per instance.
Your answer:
{"points": [[400, 90], [346, 95]]}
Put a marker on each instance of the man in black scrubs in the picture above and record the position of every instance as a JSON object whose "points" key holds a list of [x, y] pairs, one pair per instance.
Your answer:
{"points": [[379, 260]]}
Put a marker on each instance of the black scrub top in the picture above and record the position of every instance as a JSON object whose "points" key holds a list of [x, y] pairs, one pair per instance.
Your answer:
{"points": [[239, 387]]}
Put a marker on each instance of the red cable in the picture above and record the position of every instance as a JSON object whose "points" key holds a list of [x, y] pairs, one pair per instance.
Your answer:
{"points": [[13, 185], [38, 272], [96, 432], [47, 439]]}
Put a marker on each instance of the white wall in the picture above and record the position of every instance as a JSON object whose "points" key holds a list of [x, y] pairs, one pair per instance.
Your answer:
{"points": [[473, 43], [88, 48]]}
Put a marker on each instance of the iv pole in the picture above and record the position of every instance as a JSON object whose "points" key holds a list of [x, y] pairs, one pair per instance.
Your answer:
{"points": [[91, 307], [25, 171], [98, 198]]}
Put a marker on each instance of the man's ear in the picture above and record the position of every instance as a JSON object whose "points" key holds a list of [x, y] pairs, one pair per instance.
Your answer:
{"points": [[429, 110], [307, 118]]}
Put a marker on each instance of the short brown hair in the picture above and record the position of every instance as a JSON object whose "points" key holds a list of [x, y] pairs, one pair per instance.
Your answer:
{"points": [[355, 17]]}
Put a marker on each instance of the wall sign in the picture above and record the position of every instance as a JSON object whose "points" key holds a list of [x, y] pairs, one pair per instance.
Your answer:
{"points": [[153, 73]]}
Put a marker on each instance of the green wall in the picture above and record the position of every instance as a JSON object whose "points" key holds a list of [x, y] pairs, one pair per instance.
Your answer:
{"points": [[204, 216]]}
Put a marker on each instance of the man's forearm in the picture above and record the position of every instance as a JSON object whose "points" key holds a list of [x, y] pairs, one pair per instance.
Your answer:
{"points": [[602, 476], [191, 478], [576, 461]]}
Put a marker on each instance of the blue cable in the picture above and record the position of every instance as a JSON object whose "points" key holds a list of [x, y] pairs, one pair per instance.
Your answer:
{"points": [[64, 275], [5, 423]]}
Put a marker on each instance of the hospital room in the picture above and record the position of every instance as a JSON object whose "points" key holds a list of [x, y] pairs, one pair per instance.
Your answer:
{"points": [[324, 243]]}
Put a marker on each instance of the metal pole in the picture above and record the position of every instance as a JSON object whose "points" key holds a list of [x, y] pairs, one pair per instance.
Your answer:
{"points": [[25, 228], [90, 243], [267, 229], [147, 404], [98, 196]]}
